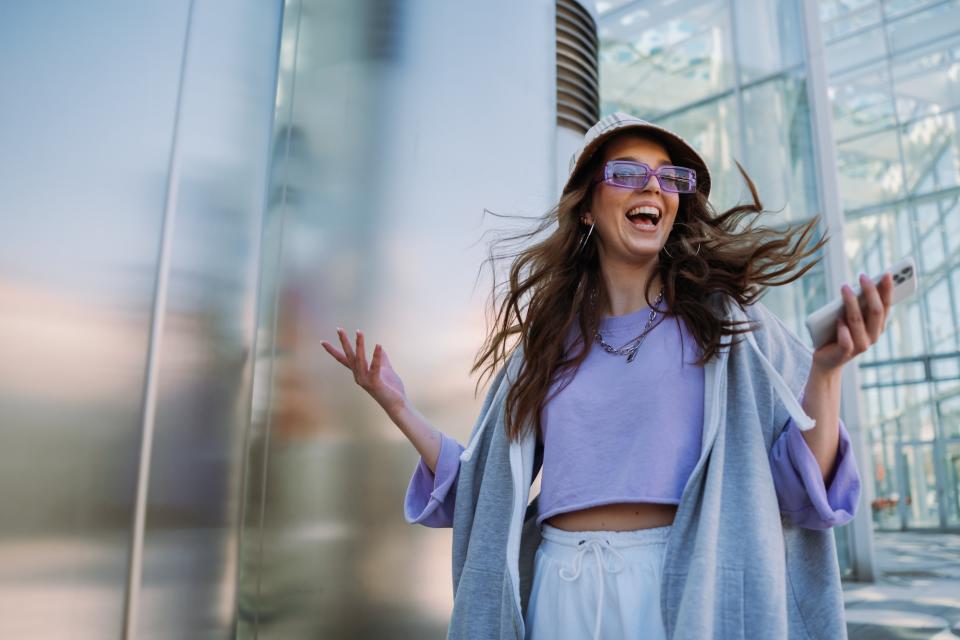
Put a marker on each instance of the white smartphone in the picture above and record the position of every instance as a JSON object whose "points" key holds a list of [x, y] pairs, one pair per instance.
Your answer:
{"points": [[822, 323]]}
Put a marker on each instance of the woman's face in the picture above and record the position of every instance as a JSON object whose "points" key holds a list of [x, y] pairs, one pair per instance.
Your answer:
{"points": [[622, 239]]}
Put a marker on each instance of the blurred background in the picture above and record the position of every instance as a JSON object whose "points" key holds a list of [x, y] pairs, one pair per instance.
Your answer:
{"points": [[195, 193]]}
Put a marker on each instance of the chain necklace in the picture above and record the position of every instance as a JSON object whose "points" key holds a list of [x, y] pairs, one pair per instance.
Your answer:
{"points": [[630, 349]]}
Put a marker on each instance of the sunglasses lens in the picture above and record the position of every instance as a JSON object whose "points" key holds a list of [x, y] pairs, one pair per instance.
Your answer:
{"points": [[678, 179], [629, 175]]}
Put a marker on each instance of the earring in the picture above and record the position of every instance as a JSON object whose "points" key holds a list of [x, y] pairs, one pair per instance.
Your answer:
{"points": [[671, 257], [586, 237], [684, 224]]}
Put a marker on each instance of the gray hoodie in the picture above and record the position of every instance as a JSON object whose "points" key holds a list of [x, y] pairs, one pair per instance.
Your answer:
{"points": [[733, 566]]}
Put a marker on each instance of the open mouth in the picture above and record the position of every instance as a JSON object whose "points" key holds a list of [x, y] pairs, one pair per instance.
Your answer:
{"points": [[644, 217]]}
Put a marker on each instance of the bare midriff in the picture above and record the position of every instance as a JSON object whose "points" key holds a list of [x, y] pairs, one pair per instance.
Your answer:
{"points": [[616, 517]]}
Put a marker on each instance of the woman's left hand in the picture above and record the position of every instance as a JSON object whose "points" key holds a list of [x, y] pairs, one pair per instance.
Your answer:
{"points": [[857, 329]]}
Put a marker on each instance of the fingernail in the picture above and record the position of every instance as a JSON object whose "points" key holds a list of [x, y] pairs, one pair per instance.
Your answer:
{"points": [[863, 275], [847, 288]]}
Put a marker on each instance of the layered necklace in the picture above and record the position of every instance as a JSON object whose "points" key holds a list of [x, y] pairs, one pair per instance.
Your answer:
{"points": [[630, 348]]}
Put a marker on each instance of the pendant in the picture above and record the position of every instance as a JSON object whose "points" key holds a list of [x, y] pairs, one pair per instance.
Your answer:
{"points": [[633, 354]]}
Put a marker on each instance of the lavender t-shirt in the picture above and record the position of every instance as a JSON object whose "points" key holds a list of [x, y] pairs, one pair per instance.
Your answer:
{"points": [[624, 431], [631, 432]]}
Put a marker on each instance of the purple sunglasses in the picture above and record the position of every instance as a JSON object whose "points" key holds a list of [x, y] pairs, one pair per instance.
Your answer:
{"points": [[635, 175]]}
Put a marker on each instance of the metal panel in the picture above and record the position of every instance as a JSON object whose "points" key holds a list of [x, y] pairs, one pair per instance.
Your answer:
{"points": [[382, 168], [206, 321], [99, 149], [86, 121]]}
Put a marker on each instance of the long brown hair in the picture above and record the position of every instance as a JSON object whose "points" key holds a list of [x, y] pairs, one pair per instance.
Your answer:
{"points": [[551, 284]]}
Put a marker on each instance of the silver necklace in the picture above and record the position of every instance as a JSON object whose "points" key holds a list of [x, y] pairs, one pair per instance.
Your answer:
{"points": [[630, 349]]}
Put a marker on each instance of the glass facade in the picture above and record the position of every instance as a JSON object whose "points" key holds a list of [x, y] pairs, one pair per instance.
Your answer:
{"points": [[735, 79], [894, 86]]}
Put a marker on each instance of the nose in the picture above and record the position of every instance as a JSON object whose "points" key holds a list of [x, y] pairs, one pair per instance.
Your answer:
{"points": [[653, 184]]}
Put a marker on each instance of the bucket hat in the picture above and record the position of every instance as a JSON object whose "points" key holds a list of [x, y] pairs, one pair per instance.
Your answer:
{"points": [[681, 152]]}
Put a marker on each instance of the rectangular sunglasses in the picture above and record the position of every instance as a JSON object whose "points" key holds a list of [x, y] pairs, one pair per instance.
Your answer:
{"points": [[635, 175]]}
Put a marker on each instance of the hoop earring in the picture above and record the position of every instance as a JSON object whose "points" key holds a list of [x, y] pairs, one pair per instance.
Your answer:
{"points": [[583, 242], [671, 257]]}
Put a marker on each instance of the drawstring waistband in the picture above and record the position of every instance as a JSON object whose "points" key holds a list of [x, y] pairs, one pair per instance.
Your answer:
{"points": [[606, 554], [597, 546]]}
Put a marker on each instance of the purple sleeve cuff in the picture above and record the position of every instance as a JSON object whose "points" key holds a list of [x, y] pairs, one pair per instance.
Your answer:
{"points": [[804, 497], [430, 498]]}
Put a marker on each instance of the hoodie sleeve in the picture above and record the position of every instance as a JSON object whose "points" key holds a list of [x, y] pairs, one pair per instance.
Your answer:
{"points": [[430, 498], [804, 497]]}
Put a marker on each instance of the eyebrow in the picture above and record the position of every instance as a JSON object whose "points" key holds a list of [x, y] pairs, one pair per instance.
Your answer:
{"points": [[632, 159]]}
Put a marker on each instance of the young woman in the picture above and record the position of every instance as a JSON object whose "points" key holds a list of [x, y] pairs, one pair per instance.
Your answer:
{"points": [[686, 491]]}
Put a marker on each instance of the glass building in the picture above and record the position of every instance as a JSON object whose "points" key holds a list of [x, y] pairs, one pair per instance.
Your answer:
{"points": [[846, 110], [894, 84]]}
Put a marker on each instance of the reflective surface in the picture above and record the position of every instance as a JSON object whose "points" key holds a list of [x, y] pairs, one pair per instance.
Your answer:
{"points": [[895, 93], [82, 191], [388, 145], [100, 145], [189, 566]]}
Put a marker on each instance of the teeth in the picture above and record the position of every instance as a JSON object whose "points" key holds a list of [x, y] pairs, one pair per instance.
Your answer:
{"points": [[645, 209]]}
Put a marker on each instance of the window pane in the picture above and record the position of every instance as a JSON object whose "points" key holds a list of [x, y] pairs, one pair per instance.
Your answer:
{"points": [[916, 29], [654, 61], [950, 411], [922, 485], [885, 476], [779, 152], [902, 324], [951, 222], [712, 130], [895, 8], [952, 484], [929, 144], [606, 6], [861, 101], [768, 37], [927, 82], [917, 420], [855, 50], [903, 242], [955, 278], [856, 17], [931, 249], [941, 328], [869, 169]]}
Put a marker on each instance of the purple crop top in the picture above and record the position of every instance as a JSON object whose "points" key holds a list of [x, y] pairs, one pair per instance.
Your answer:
{"points": [[650, 413], [624, 431]]}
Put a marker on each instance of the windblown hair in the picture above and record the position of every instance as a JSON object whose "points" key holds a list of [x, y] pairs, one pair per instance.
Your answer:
{"points": [[551, 285]]}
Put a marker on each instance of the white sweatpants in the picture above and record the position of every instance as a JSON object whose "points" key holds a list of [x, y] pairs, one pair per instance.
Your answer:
{"points": [[597, 584]]}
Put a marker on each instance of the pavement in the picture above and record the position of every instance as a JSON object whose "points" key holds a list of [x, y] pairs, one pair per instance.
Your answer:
{"points": [[917, 592]]}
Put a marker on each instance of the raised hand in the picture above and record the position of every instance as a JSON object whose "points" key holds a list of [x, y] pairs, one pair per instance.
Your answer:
{"points": [[857, 330], [376, 378]]}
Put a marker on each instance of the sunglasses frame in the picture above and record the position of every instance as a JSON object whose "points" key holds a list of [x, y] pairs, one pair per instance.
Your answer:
{"points": [[608, 176]]}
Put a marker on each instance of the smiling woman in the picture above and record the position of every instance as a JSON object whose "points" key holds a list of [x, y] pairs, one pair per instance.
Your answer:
{"points": [[646, 451], [606, 264]]}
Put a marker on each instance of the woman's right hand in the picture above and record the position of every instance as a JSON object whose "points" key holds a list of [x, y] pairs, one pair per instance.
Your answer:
{"points": [[378, 378]]}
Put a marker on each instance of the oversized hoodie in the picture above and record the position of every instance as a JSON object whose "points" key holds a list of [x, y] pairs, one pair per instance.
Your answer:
{"points": [[735, 565]]}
